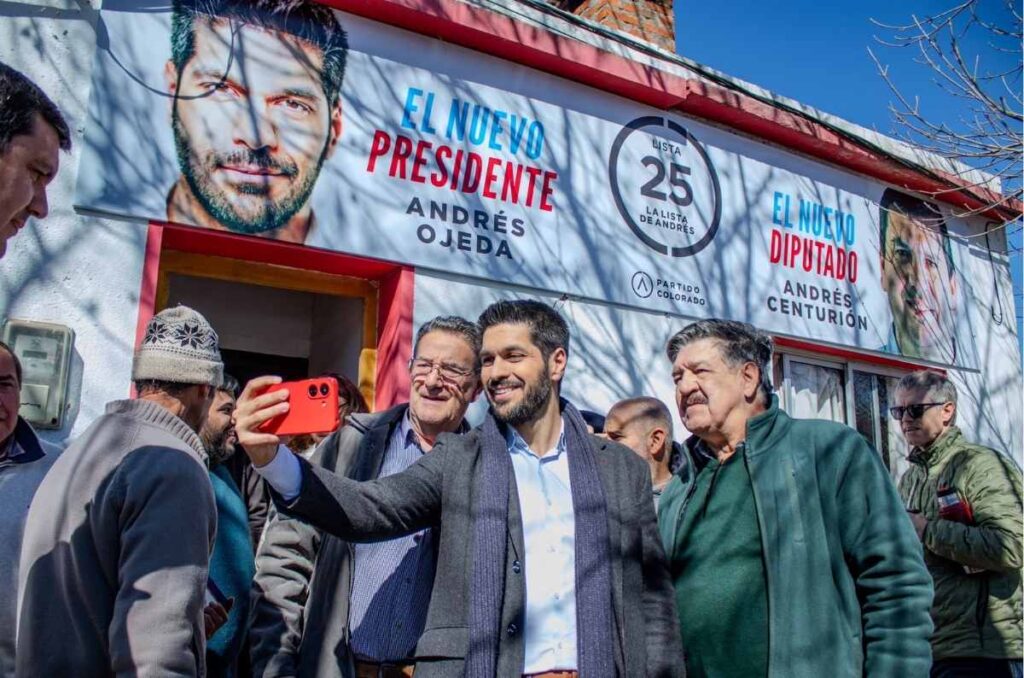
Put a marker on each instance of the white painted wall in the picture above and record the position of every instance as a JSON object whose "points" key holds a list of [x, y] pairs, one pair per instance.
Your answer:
{"points": [[70, 269]]}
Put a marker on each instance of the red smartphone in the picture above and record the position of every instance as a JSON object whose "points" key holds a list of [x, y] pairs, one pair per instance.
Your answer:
{"points": [[314, 407]]}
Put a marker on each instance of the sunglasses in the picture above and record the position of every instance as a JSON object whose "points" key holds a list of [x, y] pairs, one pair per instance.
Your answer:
{"points": [[915, 411]]}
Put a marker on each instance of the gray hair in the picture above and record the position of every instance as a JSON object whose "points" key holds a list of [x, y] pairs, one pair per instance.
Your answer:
{"points": [[937, 387], [740, 343], [452, 324]]}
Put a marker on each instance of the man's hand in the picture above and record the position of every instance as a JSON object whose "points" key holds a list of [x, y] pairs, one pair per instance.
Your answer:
{"points": [[920, 522], [251, 411], [215, 616]]}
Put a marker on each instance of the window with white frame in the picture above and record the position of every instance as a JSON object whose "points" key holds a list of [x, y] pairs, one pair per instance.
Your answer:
{"points": [[856, 394]]}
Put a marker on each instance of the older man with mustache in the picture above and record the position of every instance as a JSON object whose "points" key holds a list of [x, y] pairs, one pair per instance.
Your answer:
{"points": [[788, 545]]}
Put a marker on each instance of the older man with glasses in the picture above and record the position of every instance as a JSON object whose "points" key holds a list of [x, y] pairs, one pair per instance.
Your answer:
{"points": [[965, 503], [327, 607]]}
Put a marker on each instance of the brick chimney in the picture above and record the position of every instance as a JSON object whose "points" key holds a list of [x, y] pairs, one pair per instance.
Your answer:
{"points": [[649, 20]]}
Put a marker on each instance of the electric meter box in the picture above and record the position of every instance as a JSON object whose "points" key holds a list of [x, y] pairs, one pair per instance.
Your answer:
{"points": [[44, 350]]}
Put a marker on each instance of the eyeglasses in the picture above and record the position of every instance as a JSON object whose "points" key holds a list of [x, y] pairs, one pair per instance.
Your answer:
{"points": [[420, 368], [915, 411]]}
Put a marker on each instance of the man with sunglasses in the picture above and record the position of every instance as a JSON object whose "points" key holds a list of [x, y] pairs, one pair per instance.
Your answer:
{"points": [[326, 607], [965, 503]]}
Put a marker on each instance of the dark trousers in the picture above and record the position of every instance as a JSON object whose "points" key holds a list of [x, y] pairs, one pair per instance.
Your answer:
{"points": [[974, 667]]}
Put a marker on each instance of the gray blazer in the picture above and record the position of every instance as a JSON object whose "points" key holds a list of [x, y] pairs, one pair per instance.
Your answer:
{"points": [[438, 491], [303, 578]]}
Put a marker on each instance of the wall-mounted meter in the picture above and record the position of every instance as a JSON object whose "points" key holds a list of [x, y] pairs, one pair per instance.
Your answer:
{"points": [[44, 350]]}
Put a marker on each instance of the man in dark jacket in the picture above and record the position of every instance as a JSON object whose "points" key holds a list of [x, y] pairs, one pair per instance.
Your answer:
{"points": [[231, 564], [24, 461], [965, 502], [548, 558], [790, 550], [327, 607]]}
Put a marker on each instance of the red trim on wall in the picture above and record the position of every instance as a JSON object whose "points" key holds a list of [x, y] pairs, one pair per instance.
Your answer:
{"points": [[749, 115], [506, 38], [223, 244], [397, 285], [852, 356], [394, 338], [150, 280]]}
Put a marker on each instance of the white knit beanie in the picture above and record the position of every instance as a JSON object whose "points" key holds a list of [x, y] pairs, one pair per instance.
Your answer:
{"points": [[180, 347]]}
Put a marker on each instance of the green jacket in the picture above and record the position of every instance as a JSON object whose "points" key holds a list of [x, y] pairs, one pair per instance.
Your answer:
{"points": [[976, 615], [848, 592]]}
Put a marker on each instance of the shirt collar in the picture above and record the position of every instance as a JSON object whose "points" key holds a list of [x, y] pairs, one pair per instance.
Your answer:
{"points": [[24, 446], [516, 444], [407, 433], [702, 449]]}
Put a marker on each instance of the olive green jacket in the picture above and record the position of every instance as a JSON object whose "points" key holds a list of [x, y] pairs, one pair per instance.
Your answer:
{"points": [[976, 615]]}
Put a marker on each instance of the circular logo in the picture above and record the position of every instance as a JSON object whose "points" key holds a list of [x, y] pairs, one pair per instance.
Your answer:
{"points": [[643, 285], [665, 187]]}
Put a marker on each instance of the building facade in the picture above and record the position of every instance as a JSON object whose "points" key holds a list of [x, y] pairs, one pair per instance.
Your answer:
{"points": [[321, 181]]}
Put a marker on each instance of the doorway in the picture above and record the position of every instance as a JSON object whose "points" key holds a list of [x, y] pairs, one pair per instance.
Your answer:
{"points": [[274, 319]]}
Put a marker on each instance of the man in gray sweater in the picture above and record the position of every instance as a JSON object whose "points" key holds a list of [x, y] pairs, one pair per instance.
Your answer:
{"points": [[116, 550]]}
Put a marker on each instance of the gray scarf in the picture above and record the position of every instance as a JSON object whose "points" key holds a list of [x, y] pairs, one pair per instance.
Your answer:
{"points": [[595, 637]]}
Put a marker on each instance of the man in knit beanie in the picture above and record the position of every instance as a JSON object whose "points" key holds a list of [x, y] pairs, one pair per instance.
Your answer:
{"points": [[117, 545]]}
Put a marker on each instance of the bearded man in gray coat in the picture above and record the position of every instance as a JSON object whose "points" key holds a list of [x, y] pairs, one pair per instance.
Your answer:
{"points": [[118, 539], [548, 561]]}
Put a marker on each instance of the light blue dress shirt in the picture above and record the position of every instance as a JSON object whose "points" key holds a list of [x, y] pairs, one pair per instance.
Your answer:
{"points": [[549, 536]]}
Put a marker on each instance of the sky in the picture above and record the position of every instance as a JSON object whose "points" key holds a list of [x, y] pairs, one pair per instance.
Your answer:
{"points": [[816, 52]]}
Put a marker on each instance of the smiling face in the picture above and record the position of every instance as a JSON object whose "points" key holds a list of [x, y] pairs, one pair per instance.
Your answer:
{"points": [[27, 167], [921, 286], [715, 399], [252, 124], [438, 403], [518, 380]]}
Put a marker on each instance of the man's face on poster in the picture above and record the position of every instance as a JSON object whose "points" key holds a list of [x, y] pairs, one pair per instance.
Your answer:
{"points": [[921, 286], [252, 123]]}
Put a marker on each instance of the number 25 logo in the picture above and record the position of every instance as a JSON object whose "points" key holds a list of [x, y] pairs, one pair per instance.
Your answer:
{"points": [[676, 210], [675, 179]]}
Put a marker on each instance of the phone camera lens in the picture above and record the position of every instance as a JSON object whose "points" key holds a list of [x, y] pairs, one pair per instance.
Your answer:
{"points": [[323, 389], [312, 390]]}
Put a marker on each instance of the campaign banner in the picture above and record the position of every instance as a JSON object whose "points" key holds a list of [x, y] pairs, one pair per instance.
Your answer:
{"points": [[300, 123]]}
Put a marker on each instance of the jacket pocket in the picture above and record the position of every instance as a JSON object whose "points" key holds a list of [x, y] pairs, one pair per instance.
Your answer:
{"points": [[443, 642]]}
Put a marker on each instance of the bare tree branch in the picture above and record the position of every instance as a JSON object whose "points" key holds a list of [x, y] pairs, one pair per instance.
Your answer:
{"points": [[987, 136]]}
